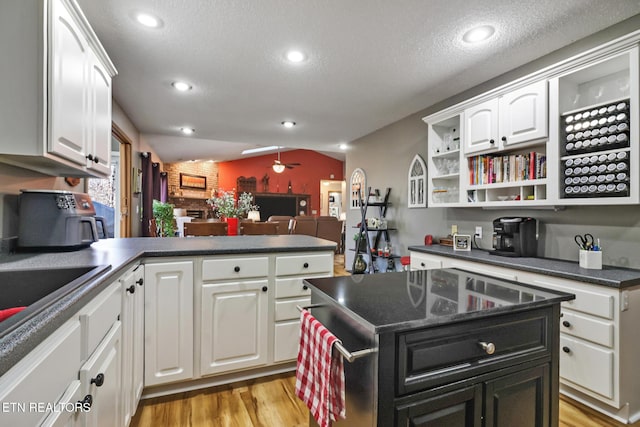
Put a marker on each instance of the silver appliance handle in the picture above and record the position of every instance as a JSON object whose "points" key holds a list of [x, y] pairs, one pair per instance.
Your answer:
{"points": [[350, 356]]}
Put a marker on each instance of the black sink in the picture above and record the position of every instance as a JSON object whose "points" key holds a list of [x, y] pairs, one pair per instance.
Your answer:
{"points": [[38, 288]]}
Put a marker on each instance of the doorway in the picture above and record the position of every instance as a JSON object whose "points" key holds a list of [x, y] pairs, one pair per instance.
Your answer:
{"points": [[332, 198]]}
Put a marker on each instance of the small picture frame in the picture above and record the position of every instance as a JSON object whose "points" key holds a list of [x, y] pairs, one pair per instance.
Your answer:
{"points": [[461, 242]]}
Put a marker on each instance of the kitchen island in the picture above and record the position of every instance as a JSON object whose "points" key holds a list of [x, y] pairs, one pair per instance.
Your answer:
{"points": [[450, 348]]}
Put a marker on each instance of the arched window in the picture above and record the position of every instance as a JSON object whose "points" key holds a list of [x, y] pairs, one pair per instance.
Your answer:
{"points": [[417, 181], [358, 182]]}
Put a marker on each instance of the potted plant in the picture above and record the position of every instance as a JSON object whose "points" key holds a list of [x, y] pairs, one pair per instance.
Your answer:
{"points": [[226, 207], [361, 241], [163, 214]]}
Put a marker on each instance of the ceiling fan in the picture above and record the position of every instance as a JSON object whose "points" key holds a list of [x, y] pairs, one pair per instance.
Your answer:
{"points": [[278, 166]]}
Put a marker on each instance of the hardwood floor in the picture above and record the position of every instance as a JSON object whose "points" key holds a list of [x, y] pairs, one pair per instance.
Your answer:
{"points": [[271, 402]]}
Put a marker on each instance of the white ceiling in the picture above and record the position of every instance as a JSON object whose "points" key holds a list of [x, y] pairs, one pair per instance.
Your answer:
{"points": [[370, 63]]}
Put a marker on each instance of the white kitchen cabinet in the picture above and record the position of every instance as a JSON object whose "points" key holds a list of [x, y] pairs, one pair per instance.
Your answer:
{"points": [[101, 379], [481, 127], [500, 123], [66, 418], [57, 112], [168, 322], [290, 272], [42, 376], [132, 341], [234, 327]]}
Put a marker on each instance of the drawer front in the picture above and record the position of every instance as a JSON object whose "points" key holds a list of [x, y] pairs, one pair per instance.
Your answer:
{"points": [[474, 267], [587, 327], [99, 316], [235, 268], [287, 288], [286, 340], [587, 365], [287, 265], [587, 300], [286, 310], [424, 262], [66, 418], [441, 355]]}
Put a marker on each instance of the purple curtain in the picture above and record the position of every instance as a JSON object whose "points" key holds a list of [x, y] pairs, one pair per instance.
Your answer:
{"points": [[147, 192], [164, 187], [156, 181]]}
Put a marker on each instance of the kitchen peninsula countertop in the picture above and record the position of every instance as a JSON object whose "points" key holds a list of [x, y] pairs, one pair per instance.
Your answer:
{"points": [[402, 301], [18, 339], [615, 277]]}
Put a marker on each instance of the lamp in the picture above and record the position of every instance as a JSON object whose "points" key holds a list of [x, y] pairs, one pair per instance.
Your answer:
{"points": [[254, 216], [278, 167]]}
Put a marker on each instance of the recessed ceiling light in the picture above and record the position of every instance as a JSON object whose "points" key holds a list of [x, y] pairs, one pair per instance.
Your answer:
{"points": [[288, 124], [343, 146], [187, 131], [148, 20], [181, 86], [295, 56], [478, 34]]}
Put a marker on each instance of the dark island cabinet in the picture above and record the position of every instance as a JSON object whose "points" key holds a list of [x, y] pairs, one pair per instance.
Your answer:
{"points": [[493, 372]]}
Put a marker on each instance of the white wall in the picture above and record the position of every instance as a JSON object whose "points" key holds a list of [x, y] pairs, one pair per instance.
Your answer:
{"points": [[385, 156]]}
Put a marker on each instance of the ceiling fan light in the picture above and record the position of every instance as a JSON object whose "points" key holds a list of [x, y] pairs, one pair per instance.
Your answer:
{"points": [[278, 167], [288, 124]]}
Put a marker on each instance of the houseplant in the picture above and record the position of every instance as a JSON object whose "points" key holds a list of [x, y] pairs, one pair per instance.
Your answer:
{"points": [[228, 208], [163, 214]]}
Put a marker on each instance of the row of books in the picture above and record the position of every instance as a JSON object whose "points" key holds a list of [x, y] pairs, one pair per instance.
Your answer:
{"points": [[489, 169]]}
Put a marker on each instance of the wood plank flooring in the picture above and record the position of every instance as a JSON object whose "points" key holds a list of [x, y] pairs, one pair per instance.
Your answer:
{"points": [[271, 402]]}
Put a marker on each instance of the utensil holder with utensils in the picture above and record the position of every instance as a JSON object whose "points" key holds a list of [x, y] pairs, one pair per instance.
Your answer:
{"points": [[591, 259]]}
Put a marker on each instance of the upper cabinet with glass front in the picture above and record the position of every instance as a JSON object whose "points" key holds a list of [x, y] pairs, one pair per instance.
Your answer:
{"points": [[57, 113]]}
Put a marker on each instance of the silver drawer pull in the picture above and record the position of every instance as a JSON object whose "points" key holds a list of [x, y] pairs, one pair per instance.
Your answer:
{"points": [[489, 347]]}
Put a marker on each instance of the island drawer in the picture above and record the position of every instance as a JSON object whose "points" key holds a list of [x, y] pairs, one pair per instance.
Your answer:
{"points": [[436, 356], [235, 268]]}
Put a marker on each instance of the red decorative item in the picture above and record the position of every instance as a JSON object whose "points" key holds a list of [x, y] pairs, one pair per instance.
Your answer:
{"points": [[232, 226], [428, 239], [6, 313]]}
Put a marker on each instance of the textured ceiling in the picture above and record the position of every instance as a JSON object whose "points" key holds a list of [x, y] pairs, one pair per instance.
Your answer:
{"points": [[371, 62]]}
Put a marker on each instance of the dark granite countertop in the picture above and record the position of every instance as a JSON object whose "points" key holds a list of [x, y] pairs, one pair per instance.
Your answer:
{"points": [[614, 277], [27, 329], [395, 302]]}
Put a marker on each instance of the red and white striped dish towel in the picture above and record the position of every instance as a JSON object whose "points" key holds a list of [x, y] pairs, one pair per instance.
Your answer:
{"points": [[320, 374]]}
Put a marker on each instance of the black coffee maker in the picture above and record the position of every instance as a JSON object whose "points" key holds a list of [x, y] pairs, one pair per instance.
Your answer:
{"points": [[515, 237]]}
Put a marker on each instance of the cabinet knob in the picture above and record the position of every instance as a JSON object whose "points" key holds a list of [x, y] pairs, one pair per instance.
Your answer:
{"points": [[566, 349], [566, 324], [96, 159], [488, 347], [305, 287], [504, 139], [86, 402], [422, 264], [236, 269], [131, 289], [98, 380], [140, 281], [305, 265], [265, 289], [89, 157], [492, 141]]}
